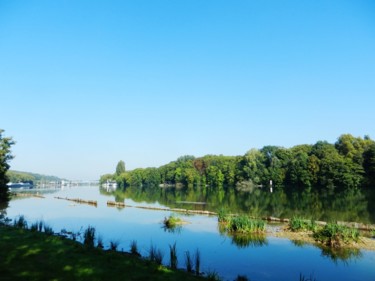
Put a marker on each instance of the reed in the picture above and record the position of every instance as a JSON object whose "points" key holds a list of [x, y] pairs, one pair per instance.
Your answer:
{"points": [[297, 224], [197, 258], [89, 237], [244, 224], [20, 222], [188, 262], [134, 248], [48, 229], [113, 245], [223, 215], [100, 243], [173, 256]]}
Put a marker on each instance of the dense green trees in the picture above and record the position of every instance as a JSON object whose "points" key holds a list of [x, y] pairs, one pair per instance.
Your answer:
{"points": [[345, 165], [5, 157]]}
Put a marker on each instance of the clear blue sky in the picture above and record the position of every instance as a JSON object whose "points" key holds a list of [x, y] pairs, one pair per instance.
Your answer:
{"points": [[84, 84]]}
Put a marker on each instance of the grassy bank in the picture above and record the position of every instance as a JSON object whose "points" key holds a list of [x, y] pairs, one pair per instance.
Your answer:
{"points": [[27, 255]]}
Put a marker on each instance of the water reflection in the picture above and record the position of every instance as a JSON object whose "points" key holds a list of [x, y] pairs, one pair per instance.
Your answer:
{"points": [[341, 254], [351, 205], [249, 240]]}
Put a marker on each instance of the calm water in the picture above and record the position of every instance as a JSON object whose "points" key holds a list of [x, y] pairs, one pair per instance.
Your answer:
{"points": [[268, 259]]}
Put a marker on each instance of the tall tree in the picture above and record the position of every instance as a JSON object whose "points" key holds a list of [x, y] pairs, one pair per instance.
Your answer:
{"points": [[5, 157], [120, 168]]}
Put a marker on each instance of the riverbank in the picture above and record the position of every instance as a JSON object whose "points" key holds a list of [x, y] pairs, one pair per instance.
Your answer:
{"points": [[27, 255]]}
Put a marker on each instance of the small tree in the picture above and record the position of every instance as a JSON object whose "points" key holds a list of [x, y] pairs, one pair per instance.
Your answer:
{"points": [[5, 157], [120, 168]]}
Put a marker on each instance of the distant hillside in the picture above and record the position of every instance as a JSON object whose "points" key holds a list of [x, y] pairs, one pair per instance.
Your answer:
{"points": [[17, 176]]}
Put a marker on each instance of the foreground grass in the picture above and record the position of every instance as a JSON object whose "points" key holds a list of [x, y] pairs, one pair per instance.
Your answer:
{"points": [[27, 255]]}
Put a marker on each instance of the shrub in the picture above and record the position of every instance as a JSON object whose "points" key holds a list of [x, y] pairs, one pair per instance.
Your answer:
{"points": [[172, 221], [113, 245]]}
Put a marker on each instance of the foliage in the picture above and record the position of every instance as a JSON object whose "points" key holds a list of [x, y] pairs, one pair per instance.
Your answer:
{"points": [[197, 258], [347, 164], [120, 168], [5, 157], [334, 235]]}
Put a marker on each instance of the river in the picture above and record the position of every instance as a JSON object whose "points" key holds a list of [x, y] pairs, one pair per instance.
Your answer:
{"points": [[270, 258]]}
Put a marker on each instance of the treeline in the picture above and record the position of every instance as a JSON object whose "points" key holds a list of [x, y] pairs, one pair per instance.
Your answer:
{"points": [[349, 163], [16, 176]]}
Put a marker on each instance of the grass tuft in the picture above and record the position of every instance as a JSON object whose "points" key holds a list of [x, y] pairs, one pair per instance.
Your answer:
{"points": [[89, 237], [334, 235], [173, 256]]}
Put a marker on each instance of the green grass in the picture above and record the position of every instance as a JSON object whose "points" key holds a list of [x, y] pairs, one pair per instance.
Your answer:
{"points": [[297, 224], [243, 224], [335, 235], [27, 255]]}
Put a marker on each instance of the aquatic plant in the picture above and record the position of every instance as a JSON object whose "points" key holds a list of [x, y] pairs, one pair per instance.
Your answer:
{"points": [[172, 221], [89, 236], [223, 215], [245, 225], [134, 248], [333, 235], [155, 255], [197, 258], [173, 256], [188, 262], [20, 222], [299, 224]]}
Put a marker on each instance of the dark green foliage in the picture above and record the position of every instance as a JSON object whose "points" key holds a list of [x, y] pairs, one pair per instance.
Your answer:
{"points": [[100, 243], [347, 164], [213, 276], [89, 237], [5, 157]]}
